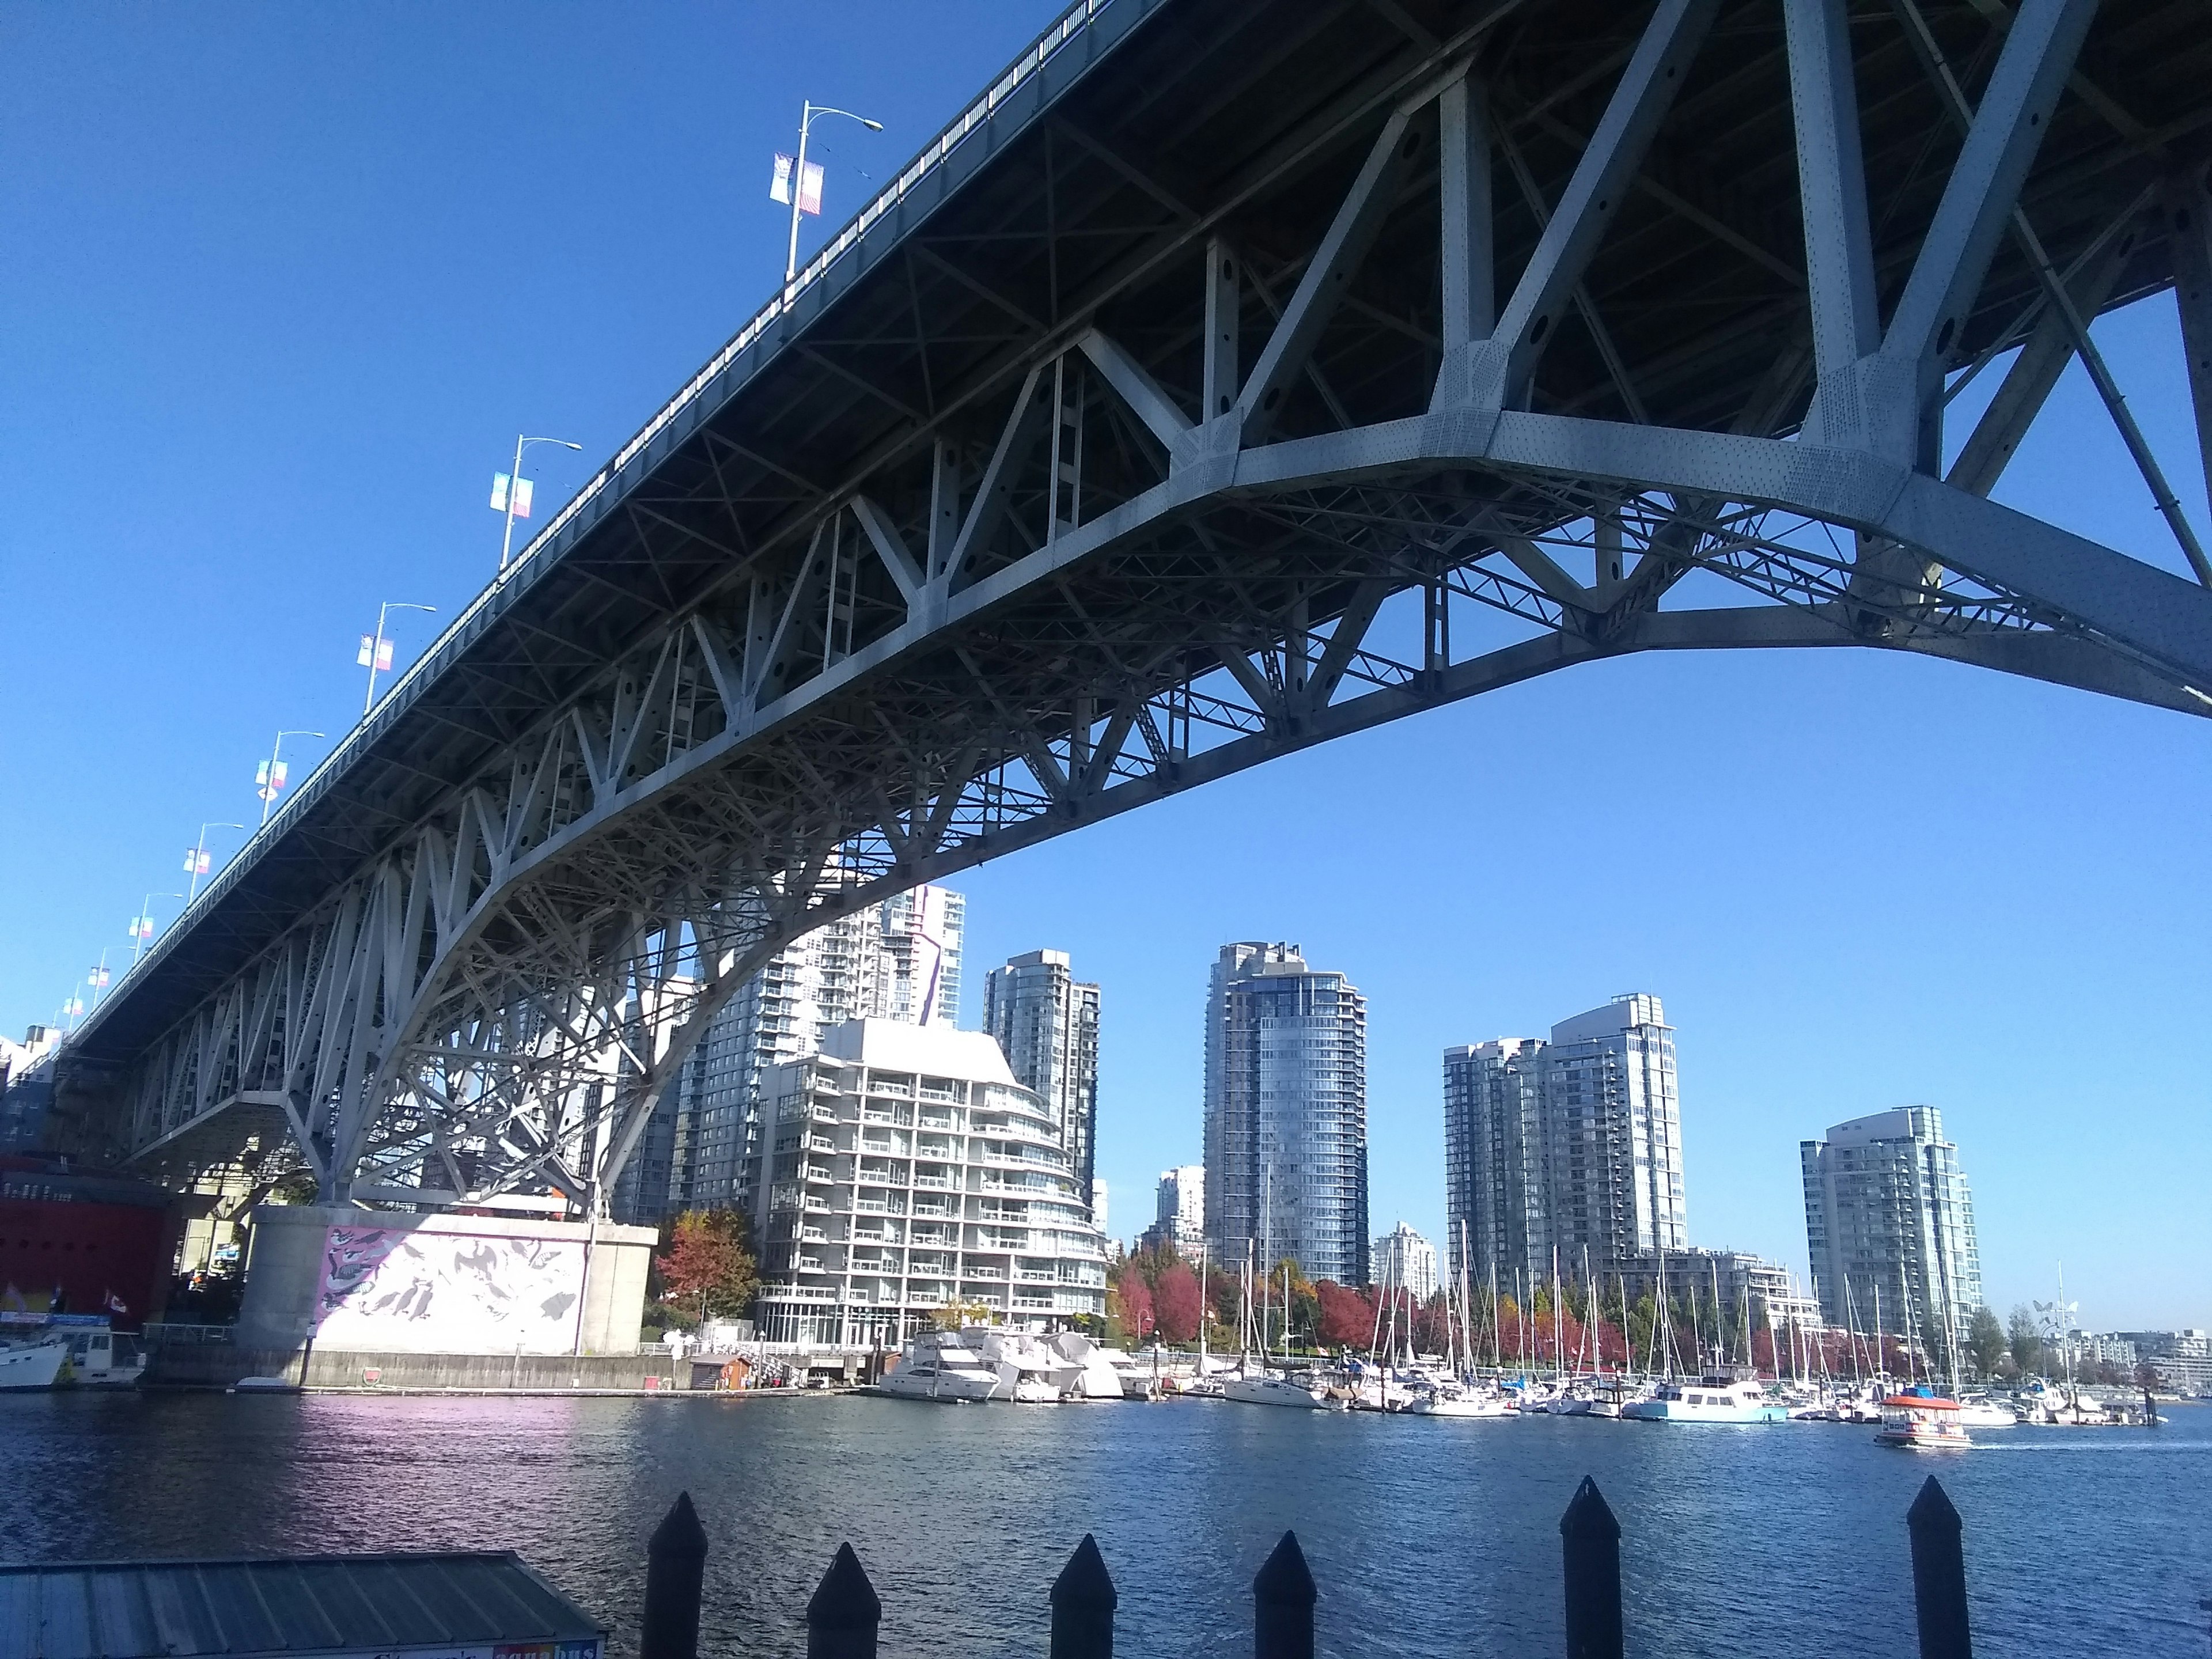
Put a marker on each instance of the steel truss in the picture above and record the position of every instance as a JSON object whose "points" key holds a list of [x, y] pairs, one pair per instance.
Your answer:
{"points": [[1101, 580]]}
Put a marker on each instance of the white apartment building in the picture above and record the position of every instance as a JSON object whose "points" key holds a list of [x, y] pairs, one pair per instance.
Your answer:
{"points": [[1179, 1212], [1890, 1227], [1405, 1261], [899, 960], [909, 1173]]}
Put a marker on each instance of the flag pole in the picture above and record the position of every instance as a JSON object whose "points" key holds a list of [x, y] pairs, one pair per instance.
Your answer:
{"points": [[272, 783], [376, 651], [798, 188]]}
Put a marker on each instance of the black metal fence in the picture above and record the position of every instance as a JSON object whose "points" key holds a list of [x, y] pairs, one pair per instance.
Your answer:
{"points": [[844, 1612]]}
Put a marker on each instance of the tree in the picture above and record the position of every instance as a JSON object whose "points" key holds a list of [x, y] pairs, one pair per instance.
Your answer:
{"points": [[1985, 1341], [708, 1259], [2024, 1339], [1346, 1317], [1175, 1303], [1139, 1316]]}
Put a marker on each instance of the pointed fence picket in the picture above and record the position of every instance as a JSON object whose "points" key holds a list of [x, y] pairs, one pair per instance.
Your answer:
{"points": [[844, 1613]]}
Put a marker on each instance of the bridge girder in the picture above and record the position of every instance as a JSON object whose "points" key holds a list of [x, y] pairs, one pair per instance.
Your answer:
{"points": [[1115, 554]]}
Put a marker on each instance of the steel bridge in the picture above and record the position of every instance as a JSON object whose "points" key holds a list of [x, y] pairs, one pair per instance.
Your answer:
{"points": [[1234, 376]]}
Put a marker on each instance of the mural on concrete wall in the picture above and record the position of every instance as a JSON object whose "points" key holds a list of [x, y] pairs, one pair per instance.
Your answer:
{"points": [[421, 1291]]}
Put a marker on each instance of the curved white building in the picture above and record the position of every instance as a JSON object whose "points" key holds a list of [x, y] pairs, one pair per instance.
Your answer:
{"points": [[909, 1172]]}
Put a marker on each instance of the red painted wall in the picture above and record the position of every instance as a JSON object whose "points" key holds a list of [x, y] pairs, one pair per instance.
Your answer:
{"points": [[55, 1230]]}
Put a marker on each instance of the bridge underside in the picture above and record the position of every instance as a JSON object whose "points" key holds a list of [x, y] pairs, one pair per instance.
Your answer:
{"points": [[1253, 374]]}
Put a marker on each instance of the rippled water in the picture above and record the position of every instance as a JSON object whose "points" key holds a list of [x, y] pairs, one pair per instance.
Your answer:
{"points": [[1426, 1537]]}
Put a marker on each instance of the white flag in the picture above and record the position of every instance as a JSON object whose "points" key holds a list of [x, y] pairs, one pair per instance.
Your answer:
{"points": [[810, 184], [522, 498], [367, 650], [499, 482]]}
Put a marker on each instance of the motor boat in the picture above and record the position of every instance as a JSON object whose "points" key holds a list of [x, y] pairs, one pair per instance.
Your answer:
{"points": [[104, 1358], [1984, 1413], [1261, 1387], [32, 1363], [1089, 1371], [1029, 1372], [1918, 1421], [1710, 1400], [940, 1366]]}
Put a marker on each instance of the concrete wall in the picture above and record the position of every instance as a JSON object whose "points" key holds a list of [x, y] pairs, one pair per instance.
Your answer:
{"points": [[285, 1308], [220, 1364]]}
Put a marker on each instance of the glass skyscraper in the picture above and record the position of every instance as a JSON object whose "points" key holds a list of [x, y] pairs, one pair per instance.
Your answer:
{"points": [[1047, 1021], [1285, 1113], [1889, 1224], [1572, 1145]]}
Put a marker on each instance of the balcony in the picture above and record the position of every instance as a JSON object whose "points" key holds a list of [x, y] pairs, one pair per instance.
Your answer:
{"points": [[820, 1144], [941, 1182]]}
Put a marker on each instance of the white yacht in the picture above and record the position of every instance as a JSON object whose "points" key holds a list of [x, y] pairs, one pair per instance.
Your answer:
{"points": [[1029, 1373], [103, 1358], [1088, 1371], [33, 1364], [938, 1365], [1985, 1413], [1714, 1400], [1261, 1387]]}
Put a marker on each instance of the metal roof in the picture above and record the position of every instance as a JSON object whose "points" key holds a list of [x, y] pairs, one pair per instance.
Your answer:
{"points": [[287, 1604]]}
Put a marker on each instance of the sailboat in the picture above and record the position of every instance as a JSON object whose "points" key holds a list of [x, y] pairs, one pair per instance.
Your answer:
{"points": [[1252, 1384]]}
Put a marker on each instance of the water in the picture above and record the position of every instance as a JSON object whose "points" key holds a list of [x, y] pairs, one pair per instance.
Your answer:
{"points": [[1426, 1537]]}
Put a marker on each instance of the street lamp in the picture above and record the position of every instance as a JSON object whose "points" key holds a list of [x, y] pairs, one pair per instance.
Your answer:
{"points": [[269, 774], [806, 113], [376, 650], [510, 493], [195, 856], [141, 925]]}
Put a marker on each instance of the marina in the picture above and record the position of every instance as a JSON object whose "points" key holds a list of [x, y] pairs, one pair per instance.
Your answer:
{"points": [[1184, 1498]]}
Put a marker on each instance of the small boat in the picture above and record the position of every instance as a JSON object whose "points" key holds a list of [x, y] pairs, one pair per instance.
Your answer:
{"points": [[1455, 1399], [938, 1365], [103, 1358], [1918, 1421], [1710, 1400]]}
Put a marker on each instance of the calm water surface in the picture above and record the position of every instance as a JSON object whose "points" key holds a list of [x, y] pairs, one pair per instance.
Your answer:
{"points": [[1427, 1538]]}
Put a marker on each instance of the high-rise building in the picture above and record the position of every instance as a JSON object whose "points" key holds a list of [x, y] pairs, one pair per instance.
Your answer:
{"points": [[1179, 1217], [899, 960], [1285, 1113], [1047, 1021], [908, 1173], [1889, 1219], [1405, 1261], [1572, 1145]]}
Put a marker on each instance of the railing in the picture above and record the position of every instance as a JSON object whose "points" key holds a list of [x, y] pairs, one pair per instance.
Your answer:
{"points": [[163, 1331], [844, 1614], [933, 155]]}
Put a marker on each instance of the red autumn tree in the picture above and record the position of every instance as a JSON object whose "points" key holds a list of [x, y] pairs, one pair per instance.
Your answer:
{"points": [[709, 1259], [1175, 1303], [1138, 1317], [1347, 1318]]}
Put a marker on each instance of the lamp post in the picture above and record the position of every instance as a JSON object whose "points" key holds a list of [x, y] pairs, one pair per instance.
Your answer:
{"points": [[141, 925], [195, 856], [269, 774], [376, 650], [806, 113], [510, 497]]}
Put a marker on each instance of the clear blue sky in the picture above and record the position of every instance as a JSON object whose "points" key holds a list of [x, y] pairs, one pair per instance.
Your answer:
{"points": [[281, 283]]}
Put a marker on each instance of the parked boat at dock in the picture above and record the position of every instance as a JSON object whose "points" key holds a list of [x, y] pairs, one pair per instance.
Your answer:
{"points": [[1712, 1399]]}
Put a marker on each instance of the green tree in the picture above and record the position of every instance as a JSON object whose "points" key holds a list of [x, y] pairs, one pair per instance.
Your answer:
{"points": [[1985, 1341], [708, 1261], [2024, 1338]]}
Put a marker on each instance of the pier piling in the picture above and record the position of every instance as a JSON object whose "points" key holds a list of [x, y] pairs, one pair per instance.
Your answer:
{"points": [[1083, 1603], [1939, 1574], [675, 1567], [1589, 1547], [1282, 1596], [843, 1614]]}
